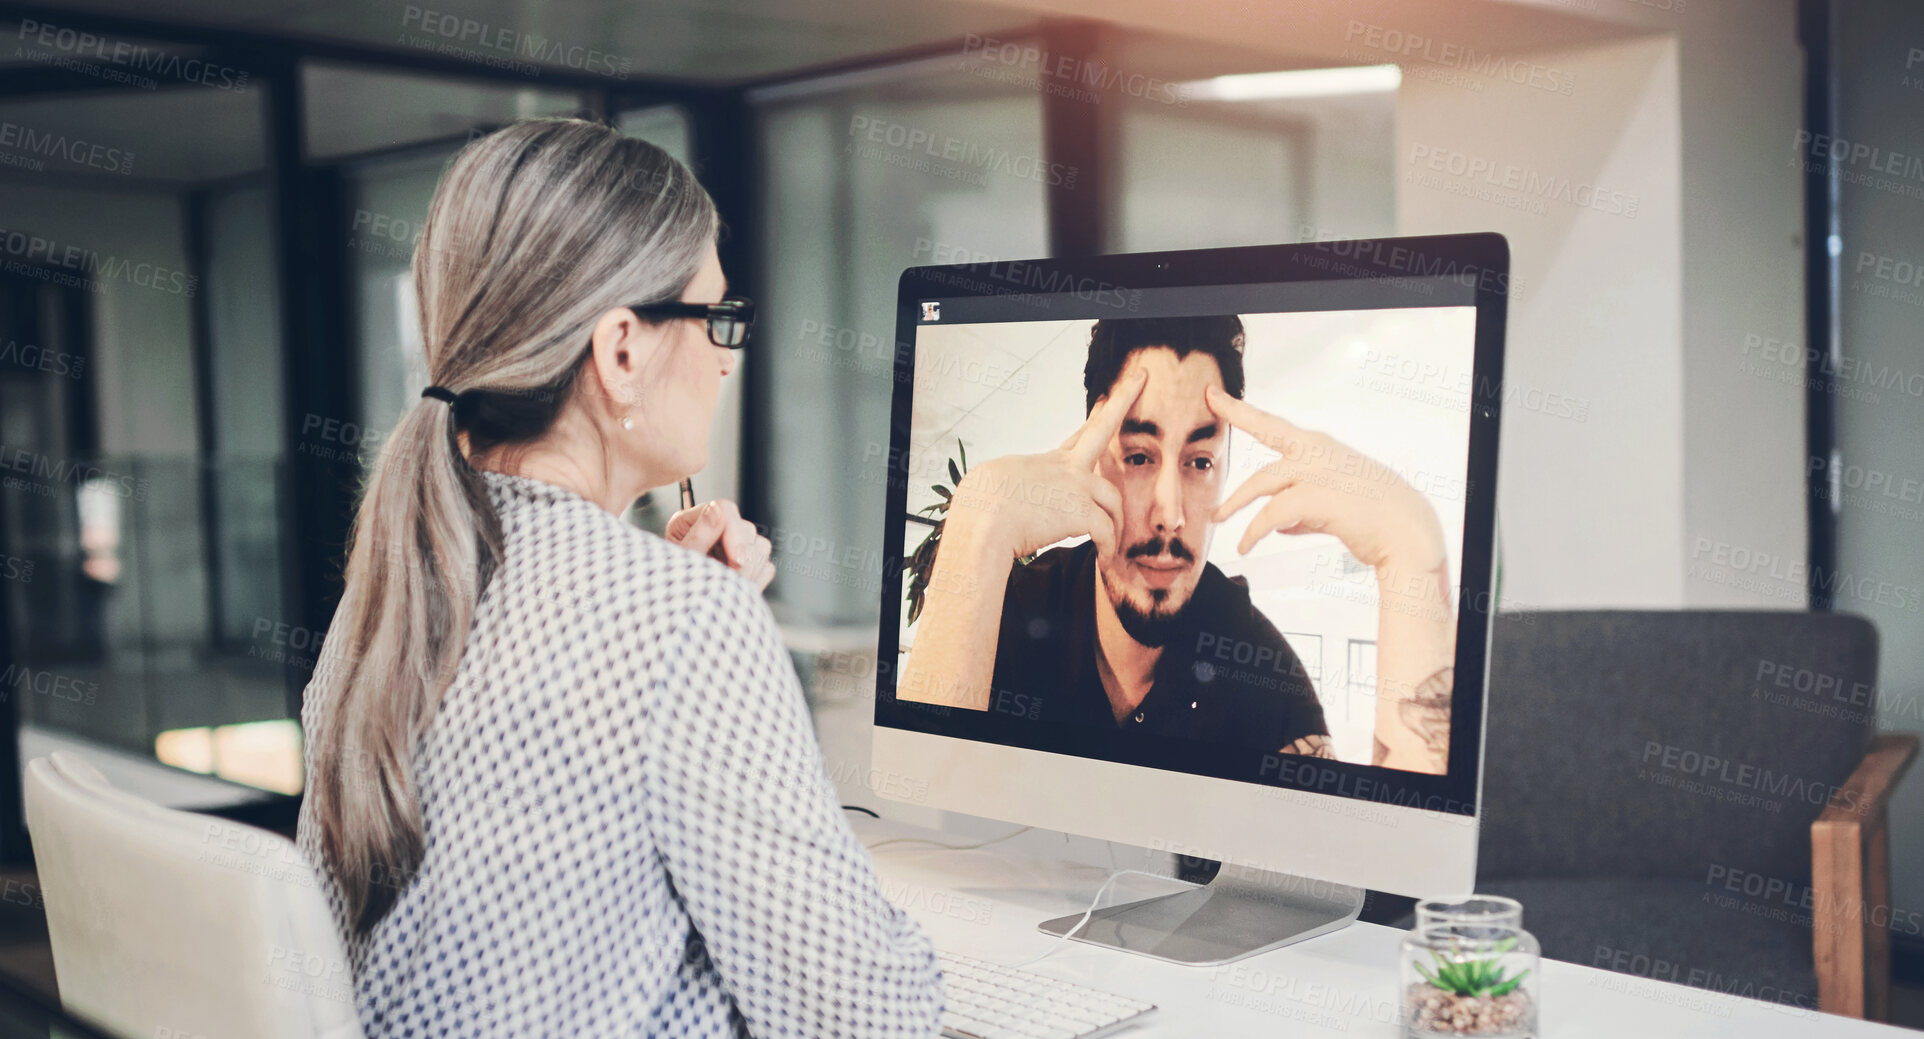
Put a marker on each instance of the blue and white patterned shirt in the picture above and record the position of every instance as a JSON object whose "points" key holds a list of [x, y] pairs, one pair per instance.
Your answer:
{"points": [[630, 831]]}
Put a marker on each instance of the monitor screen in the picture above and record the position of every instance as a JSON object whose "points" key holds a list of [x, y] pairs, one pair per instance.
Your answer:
{"points": [[1213, 530]]}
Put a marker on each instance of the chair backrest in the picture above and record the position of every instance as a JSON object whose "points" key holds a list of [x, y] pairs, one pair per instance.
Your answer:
{"points": [[1669, 743], [169, 923]]}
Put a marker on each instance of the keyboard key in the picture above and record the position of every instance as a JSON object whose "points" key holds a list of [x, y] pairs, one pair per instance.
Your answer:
{"points": [[987, 1000]]}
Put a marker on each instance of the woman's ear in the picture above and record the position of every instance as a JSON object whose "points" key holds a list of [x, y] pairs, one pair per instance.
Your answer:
{"points": [[624, 346]]}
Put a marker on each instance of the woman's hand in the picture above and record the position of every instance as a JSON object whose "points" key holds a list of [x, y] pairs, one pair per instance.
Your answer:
{"points": [[716, 529]]}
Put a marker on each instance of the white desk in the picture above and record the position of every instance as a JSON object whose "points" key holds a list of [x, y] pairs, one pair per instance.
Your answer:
{"points": [[986, 903]]}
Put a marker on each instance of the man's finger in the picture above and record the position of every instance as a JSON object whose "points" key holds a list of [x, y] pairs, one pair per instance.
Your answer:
{"points": [[1102, 531], [1284, 512], [1106, 497], [1268, 480], [1070, 443], [1095, 434], [1275, 432]]}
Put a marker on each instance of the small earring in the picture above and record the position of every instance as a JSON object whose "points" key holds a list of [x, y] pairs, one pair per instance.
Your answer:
{"points": [[627, 422]]}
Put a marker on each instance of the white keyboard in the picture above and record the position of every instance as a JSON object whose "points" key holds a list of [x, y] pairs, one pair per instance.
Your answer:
{"points": [[989, 1001]]}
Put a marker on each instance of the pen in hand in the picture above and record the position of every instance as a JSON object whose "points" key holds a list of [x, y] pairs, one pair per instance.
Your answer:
{"points": [[720, 533]]}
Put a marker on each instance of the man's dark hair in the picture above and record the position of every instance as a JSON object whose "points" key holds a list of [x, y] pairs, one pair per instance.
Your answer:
{"points": [[1113, 340]]}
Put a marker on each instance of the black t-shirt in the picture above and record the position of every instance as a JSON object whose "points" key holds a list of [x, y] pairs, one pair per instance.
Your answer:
{"points": [[1226, 676]]}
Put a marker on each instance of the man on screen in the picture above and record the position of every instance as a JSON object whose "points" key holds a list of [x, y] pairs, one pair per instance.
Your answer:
{"points": [[1132, 633]]}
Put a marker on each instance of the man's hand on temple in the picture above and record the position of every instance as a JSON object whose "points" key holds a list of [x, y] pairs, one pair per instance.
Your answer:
{"points": [[1319, 485], [1024, 503]]}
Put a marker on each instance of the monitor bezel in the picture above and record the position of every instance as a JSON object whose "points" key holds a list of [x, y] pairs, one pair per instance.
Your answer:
{"points": [[1483, 256]]}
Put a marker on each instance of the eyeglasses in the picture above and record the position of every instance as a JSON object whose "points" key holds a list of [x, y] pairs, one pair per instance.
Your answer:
{"points": [[728, 321]]}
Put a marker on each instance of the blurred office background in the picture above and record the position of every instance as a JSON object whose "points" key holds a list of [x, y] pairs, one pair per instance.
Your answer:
{"points": [[1717, 385]]}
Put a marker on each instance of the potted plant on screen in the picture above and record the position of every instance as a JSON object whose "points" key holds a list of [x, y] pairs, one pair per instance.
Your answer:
{"points": [[921, 563]]}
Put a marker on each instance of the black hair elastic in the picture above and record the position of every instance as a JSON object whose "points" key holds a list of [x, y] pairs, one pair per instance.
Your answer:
{"points": [[439, 393]]}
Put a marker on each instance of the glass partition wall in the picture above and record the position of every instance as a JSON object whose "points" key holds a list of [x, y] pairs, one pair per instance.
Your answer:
{"points": [[209, 318], [139, 396], [856, 203], [150, 434]]}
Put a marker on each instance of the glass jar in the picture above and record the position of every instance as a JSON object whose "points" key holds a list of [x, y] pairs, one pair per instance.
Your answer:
{"points": [[1469, 909], [1470, 969]]}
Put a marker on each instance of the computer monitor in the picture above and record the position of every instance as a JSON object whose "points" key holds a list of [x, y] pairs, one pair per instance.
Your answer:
{"points": [[1198, 555]]}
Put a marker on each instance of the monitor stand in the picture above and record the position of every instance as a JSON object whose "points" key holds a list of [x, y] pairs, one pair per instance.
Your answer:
{"points": [[1240, 913]]}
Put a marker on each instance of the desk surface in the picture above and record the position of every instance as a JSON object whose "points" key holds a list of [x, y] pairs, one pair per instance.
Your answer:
{"points": [[987, 902]]}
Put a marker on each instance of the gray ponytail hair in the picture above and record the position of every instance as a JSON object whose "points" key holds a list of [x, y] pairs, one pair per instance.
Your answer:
{"points": [[535, 231]]}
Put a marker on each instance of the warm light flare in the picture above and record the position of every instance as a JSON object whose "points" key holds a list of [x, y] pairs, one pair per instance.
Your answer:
{"points": [[264, 754]]}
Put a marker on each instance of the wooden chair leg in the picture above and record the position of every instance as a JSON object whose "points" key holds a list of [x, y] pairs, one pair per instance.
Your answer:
{"points": [[1850, 872], [1837, 929], [1877, 937]]}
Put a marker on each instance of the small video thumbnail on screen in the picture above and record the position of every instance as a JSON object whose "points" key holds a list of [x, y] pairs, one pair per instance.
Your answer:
{"points": [[1240, 529]]}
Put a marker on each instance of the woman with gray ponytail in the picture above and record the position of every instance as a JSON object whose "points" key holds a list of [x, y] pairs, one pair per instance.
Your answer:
{"points": [[560, 777]]}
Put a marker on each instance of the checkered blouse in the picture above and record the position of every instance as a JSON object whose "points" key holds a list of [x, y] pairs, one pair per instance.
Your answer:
{"points": [[630, 831]]}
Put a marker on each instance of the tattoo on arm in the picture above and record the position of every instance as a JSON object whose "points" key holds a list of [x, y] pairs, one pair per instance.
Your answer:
{"points": [[1315, 745], [1427, 712]]}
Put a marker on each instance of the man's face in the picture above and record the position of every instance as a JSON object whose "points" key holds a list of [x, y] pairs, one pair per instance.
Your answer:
{"points": [[1167, 462]]}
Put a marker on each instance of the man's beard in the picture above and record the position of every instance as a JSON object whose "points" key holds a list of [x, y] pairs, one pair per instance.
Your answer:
{"points": [[1158, 626]]}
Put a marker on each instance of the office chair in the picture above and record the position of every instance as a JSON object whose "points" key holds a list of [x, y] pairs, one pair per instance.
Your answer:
{"points": [[165, 922], [1698, 796]]}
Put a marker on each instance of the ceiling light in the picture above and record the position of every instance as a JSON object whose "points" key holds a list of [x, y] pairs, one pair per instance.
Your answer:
{"points": [[1296, 83]]}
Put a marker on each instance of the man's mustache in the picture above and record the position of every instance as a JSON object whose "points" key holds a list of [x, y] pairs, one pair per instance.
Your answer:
{"points": [[1155, 546]]}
